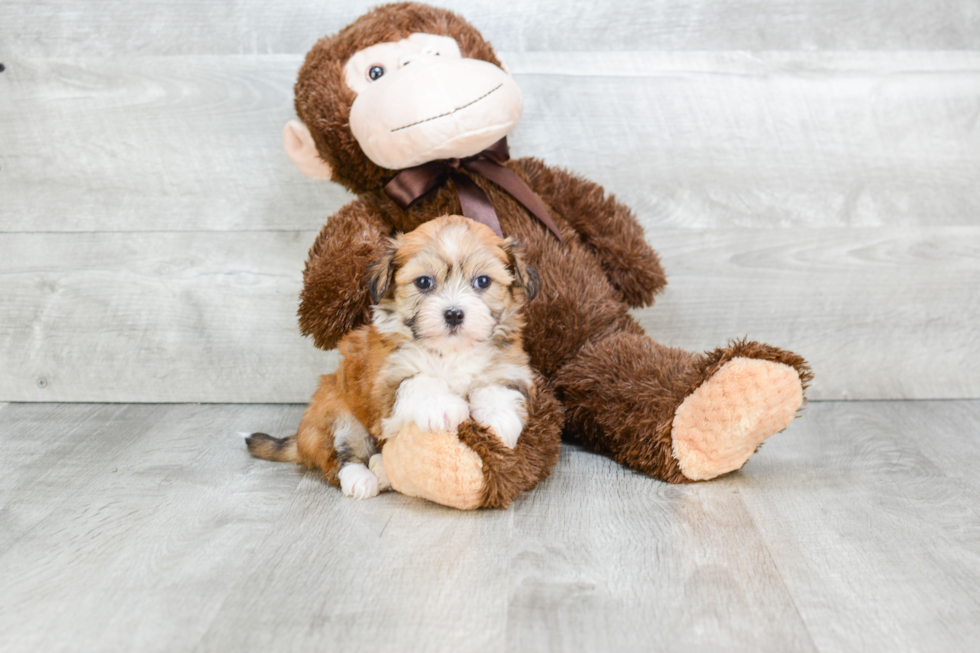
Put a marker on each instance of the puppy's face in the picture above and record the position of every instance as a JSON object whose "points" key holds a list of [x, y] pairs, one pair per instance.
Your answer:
{"points": [[451, 284]]}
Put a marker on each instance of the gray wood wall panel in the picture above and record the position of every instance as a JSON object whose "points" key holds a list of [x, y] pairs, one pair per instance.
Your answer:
{"points": [[880, 313], [149, 144], [187, 316], [816, 189], [83, 28], [780, 139], [177, 316], [153, 530], [686, 139]]}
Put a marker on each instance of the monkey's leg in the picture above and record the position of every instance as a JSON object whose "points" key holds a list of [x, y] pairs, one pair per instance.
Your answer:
{"points": [[473, 468], [677, 416]]}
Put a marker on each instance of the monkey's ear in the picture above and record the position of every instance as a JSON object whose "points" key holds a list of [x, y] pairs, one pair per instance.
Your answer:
{"points": [[525, 276], [301, 149], [381, 275]]}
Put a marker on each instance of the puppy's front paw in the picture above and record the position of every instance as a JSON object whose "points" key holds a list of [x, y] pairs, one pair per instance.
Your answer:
{"points": [[441, 413], [501, 410], [358, 481], [376, 465]]}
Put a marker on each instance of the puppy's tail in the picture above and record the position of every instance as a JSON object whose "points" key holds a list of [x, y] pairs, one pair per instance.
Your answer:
{"points": [[266, 447]]}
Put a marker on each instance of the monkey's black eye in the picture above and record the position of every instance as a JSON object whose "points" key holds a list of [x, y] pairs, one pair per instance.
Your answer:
{"points": [[482, 282], [424, 283], [375, 73]]}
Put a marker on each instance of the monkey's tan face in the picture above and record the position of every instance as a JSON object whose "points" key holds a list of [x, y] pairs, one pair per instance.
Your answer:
{"points": [[419, 100], [453, 288]]}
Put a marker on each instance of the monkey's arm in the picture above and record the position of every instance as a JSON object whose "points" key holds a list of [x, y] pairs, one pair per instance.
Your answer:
{"points": [[607, 226], [335, 296]]}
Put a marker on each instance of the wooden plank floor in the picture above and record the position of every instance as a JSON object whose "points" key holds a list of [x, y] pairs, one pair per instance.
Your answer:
{"points": [[148, 528]]}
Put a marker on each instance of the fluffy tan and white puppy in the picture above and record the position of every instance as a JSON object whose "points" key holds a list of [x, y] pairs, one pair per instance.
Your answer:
{"points": [[444, 346]]}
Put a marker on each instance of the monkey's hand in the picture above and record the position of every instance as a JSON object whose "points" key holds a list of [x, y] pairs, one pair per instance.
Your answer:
{"points": [[335, 298], [473, 468]]}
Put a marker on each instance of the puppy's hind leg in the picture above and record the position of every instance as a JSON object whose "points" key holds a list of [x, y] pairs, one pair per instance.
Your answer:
{"points": [[330, 438], [353, 447], [266, 447]]}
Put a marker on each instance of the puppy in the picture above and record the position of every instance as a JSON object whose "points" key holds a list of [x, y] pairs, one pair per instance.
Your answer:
{"points": [[444, 346]]}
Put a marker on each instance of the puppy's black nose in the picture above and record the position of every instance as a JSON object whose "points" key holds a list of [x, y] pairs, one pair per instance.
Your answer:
{"points": [[454, 317]]}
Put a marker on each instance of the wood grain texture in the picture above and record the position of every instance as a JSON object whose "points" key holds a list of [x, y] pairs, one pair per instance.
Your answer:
{"points": [[153, 519], [153, 144], [878, 544], [764, 140], [48, 452], [59, 28], [161, 534], [390, 574], [880, 314], [959, 444], [211, 316], [155, 317], [621, 563], [816, 197], [686, 139]]}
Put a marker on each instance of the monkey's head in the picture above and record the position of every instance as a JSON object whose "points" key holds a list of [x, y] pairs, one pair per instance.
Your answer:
{"points": [[403, 85]]}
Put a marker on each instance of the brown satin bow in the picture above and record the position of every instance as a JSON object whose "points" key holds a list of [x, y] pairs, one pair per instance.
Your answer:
{"points": [[412, 184]]}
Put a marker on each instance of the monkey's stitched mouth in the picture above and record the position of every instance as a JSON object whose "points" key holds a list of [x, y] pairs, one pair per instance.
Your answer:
{"points": [[449, 113]]}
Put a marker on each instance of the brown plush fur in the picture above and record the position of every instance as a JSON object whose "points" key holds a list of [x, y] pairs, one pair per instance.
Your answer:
{"points": [[323, 99], [620, 388], [599, 386], [511, 472]]}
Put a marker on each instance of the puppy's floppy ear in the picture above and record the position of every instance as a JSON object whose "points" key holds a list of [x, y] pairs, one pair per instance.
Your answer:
{"points": [[381, 275], [525, 276]]}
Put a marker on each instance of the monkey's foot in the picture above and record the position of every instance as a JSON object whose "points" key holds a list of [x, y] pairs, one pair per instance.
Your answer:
{"points": [[722, 423]]}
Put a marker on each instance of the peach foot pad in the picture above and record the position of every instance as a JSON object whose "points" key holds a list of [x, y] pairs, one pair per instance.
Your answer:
{"points": [[434, 466], [721, 424]]}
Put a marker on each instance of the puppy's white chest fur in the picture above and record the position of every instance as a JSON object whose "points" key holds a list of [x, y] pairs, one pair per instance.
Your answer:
{"points": [[441, 390], [460, 370]]}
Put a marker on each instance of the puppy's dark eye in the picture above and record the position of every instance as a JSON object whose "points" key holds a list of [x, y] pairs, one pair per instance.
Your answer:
{"points": [[375, 72], [424, 283], [482, 282]]}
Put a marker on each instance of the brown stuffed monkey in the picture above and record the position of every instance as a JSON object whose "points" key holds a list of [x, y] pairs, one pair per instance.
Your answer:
{"points": [[407, 107]]}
